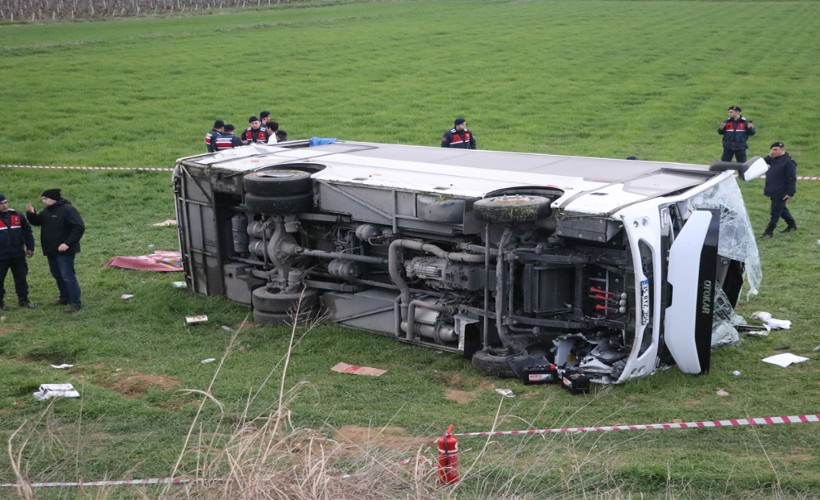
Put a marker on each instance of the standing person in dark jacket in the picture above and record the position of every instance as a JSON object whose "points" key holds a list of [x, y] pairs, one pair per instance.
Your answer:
{"points": [[735, 131], [16, 245], [60, 233], [781, 186], [228, 140], [210, 137], [255, 133], [459, 136]]}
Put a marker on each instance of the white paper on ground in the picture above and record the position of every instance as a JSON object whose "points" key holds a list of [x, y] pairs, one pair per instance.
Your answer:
{"points": [[48, 391], [784, 359], [507, 393], [773, 323], [193, 320], [62, 366], [126, 296]]}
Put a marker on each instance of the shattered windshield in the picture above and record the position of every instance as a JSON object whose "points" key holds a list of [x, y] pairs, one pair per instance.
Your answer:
{"points": [[736, 242]]}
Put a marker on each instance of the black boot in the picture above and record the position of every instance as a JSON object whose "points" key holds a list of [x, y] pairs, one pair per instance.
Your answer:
{"points": [[790, 228]]}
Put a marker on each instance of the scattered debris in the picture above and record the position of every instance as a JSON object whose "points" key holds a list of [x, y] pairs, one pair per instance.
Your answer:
{"points": [[48, 391], [179, 284], [507, 393], [721, 393], [754, 330], [193, 320], [817, 348], [227, 328], [206, 361], [774, 324], [357, 370], [575, 382], [3, 318], [169, 222], [784, 359], [736, 373], [62, 366], [126, 296]]}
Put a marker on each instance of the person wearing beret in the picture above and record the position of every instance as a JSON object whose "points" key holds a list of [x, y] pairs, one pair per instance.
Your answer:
{"points": [[781, 186], [61, 228], [210, 137], [255, 133], [227, 139], [735, 130], [459, 136], [16, 245]]}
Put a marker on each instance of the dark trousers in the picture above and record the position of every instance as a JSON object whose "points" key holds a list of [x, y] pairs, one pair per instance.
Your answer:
{"points": [[62, 268], [779, 210], [19, 269], [740, 154]]}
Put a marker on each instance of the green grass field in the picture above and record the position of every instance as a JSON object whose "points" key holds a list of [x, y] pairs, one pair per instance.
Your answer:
{"points": [[595, 78]]}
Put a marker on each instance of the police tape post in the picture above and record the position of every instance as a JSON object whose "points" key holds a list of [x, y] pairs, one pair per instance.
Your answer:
{"points": [[449, 474], [170, 169]]}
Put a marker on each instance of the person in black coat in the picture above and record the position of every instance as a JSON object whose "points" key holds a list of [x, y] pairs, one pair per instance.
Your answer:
{"points": [[60, 233], [227, 139], [16, 245], [781, 186]]}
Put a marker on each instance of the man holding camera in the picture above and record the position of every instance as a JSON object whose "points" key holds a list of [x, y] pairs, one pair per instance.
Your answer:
{"points": [[735, 131]]}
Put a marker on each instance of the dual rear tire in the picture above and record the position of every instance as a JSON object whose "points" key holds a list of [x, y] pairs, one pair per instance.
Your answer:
{"points": [[272, 307], [278, 191]]}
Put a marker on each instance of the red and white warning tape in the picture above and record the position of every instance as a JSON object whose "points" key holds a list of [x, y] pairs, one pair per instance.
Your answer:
{"points": [[153, 480], [798, 419], [738, 422], [802, 177], [147, 169]]}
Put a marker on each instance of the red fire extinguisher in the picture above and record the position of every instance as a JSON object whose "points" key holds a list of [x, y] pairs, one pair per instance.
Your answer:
{"points": [[448, 457]]}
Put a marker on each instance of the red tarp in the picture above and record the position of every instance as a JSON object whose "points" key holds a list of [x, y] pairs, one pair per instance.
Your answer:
{"points": [[161, 260]]}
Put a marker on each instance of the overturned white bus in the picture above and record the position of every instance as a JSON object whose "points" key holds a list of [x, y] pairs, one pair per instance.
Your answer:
{"points": [[609, 268]]}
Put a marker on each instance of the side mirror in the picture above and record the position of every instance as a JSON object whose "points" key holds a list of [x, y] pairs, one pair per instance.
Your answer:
{"points": [[752, 169], [755, 167]]}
